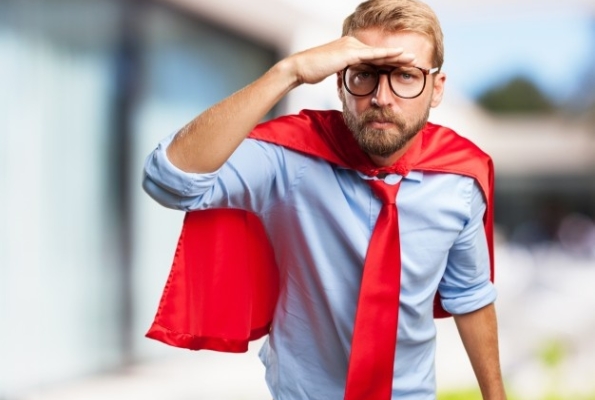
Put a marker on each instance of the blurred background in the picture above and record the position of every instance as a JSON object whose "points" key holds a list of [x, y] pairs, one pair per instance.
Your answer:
{"points": [[88, 87]]}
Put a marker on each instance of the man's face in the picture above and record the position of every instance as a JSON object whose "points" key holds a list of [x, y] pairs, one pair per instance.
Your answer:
{"points": [[383, 123]]}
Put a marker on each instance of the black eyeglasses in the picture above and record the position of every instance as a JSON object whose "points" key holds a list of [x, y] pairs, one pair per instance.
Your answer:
{"points": [[405, 82]]}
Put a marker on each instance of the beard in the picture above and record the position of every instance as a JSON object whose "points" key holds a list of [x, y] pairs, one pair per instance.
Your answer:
{"points": [[382, 142]]}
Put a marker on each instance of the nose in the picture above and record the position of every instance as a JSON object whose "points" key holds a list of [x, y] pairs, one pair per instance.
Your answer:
{"points": [[383, 95]]}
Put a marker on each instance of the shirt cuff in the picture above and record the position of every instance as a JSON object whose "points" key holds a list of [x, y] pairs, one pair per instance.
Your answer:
{"points": [[160, 170], [458, 301]]}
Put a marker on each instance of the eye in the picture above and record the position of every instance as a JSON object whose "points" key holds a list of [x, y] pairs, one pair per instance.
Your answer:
{"points": [[361, 79], [407, 76], [363, 76]]}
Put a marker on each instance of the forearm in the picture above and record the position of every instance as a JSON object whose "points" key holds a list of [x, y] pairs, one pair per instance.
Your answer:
{"points": [[479, 333], [205, 143]]}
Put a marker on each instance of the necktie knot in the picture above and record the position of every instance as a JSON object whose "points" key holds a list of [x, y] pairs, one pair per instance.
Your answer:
{"points": [[385, 192]]}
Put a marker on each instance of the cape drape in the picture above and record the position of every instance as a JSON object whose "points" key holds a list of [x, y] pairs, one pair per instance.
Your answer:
{"points": [[223, 285]]}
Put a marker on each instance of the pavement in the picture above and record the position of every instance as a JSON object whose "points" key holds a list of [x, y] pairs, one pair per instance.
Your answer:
{"points": [[547, 325]]}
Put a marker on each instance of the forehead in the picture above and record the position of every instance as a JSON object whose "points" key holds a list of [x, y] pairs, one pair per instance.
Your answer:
{"points": [[412, 42]]}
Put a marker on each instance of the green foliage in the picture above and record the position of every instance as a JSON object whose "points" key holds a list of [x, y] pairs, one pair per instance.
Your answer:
{"points": [[465, 394], [519, 95], [475, 394], [468, 394], [553, 353]]}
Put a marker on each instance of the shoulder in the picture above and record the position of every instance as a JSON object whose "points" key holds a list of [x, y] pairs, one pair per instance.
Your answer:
{"points": [[443, 147], [315, 133], [438, 138], [444, 150], [306, 122]]}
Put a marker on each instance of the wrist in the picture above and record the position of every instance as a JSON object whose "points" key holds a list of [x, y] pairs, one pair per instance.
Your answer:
{"points": [[286, 71]]}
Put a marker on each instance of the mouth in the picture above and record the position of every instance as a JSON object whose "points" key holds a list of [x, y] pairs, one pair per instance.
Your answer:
{"points": [[380, 124]]}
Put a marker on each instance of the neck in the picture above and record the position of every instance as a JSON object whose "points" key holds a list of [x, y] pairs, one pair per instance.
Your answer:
{"points": [[389, 160]]}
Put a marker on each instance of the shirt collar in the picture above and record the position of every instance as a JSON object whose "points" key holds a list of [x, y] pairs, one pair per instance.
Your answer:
{"points": [[416, 176]]}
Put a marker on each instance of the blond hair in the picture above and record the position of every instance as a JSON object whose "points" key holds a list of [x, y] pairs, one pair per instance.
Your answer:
{"points": [[398, 15]]}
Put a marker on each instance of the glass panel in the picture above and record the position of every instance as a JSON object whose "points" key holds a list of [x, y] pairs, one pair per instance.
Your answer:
{"points": [[57, 273], [73, 90], [188, 65]]}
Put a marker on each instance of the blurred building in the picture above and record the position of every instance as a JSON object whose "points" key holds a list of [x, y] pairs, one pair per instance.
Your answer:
{"points": [[545, 167], [88, 87]]}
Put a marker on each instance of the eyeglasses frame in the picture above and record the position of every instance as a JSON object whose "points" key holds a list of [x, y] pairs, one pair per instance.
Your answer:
{"points": [[383, 71]]}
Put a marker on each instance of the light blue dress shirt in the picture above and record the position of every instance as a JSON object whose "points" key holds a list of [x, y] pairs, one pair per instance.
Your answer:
{"points": [[320, 218]]}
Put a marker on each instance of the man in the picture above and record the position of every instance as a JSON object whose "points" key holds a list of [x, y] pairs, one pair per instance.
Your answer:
{"points": [[370, 213]]}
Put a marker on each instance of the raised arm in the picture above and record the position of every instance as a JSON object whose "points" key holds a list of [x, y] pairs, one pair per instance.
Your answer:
{"points": [[207, 141], [479, 334]]}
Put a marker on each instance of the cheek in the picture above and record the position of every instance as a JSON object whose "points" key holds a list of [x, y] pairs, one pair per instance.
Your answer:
{"points": [[354, 105], [418, 106]]}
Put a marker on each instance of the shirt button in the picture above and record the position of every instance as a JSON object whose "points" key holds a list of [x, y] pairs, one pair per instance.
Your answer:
{"points": [[393, 179]]}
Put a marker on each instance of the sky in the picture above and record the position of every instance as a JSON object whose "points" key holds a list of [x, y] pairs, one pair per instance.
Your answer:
{"points": [[556, 50], [490, 41]]}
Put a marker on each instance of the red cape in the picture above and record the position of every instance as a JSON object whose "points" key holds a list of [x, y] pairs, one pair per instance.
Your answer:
{"points": [[223, 285]]}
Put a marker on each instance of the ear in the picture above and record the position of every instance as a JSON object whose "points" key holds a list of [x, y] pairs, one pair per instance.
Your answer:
{"points": [[438, 89]]}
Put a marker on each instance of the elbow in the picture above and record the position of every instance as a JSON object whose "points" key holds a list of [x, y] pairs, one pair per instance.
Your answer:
{"points": [[157, 193]]}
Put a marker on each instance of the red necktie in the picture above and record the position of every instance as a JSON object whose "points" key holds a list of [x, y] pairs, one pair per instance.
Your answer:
{"points": [[370, 372]]}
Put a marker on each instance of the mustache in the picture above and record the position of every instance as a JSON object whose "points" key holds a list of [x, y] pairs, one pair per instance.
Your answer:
{"points": [[380, 114]]}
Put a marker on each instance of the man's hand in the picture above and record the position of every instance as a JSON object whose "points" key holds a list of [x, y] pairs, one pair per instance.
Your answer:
{"points": [[314, 65], [207, 141]]}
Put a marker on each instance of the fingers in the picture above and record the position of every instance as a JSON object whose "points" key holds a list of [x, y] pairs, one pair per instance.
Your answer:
{"points": [[313, 65], [381, 55]]}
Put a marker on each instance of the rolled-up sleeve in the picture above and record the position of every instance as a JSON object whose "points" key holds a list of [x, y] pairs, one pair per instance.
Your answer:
{"points": [[169, 185], [466, 284], [254, 178]]}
